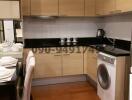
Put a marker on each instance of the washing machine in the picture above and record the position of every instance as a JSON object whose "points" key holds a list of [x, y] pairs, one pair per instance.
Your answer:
{"points": [[106, 75]]}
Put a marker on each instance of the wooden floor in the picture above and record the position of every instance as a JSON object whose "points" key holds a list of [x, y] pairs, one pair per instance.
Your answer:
{"points": [[67, 91]]}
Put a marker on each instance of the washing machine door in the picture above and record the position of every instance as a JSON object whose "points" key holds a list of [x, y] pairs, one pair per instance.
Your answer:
{"points": [[103, 76]]}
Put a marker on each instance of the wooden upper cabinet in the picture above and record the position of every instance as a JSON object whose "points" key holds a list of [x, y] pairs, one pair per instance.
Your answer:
{"points": [[109, 7], [71, 7], [105, 7], [44, 7], [124, 5], [26, 7], [99, 7], [89, 7]]}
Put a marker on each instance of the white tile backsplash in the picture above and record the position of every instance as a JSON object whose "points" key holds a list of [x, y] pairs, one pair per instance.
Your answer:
{"points": [[60, 27], [119, 26]]}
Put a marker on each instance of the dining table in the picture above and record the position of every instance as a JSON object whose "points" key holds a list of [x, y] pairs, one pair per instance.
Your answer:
{"points": [[9, 90]]}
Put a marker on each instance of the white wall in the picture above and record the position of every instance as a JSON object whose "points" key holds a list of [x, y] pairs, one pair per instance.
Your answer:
{"points": [[118, 26], [60, 27]]}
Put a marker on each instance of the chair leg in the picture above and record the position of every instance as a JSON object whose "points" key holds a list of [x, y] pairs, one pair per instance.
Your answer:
{"points": [[31, 97]]}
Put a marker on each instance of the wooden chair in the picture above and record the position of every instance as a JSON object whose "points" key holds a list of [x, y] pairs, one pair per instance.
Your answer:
{"points": [[26, 88], [30, 54]]}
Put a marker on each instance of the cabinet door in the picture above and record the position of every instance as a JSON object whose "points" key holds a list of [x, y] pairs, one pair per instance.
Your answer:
{"points": [[99, 7], [9, 10], [109, 7], [44, 7], [89, 7], [71, 7], [85, 59], [124, 5], [73, 62], [92, 64], [26, 7], [48, 65]]}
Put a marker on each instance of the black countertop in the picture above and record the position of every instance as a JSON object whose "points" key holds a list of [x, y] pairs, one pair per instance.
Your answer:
{"points": [[109, 49], [121, 47], [55, 42]]}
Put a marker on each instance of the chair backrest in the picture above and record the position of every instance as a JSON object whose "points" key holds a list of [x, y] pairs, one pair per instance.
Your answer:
{"points": [[30, 54], [28, 79]]}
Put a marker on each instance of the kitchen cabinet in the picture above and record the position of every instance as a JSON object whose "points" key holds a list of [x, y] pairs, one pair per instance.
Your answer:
{"points": [[47, 65], [109, 7], [26, 7], [90, 63], [44, 7], [105, 7], [89, 7], [55, 63], [71, 7], [68, 8], [85, 58], [99, 8], [73, 62], [9, 10], [48, 62], [124, 5]]}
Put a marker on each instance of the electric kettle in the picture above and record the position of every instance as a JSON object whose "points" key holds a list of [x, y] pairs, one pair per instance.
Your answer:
{"points": [[100, 33]]}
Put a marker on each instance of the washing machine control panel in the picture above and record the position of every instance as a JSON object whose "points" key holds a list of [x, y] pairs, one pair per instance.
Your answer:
{"points": [[107, 59]]}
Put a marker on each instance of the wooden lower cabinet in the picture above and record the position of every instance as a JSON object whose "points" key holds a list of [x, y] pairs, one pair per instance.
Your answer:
{"points": [[90, 63], [47, 65], [73, 62], [55, 64]]}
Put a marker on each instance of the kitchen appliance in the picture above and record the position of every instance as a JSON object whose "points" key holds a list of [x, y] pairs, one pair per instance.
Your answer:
{"points": [[106, 76], [110, 83], [100, 33]]}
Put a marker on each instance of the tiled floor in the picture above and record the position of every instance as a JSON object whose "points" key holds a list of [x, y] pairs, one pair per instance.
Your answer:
{"points": [[67, 91]]}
